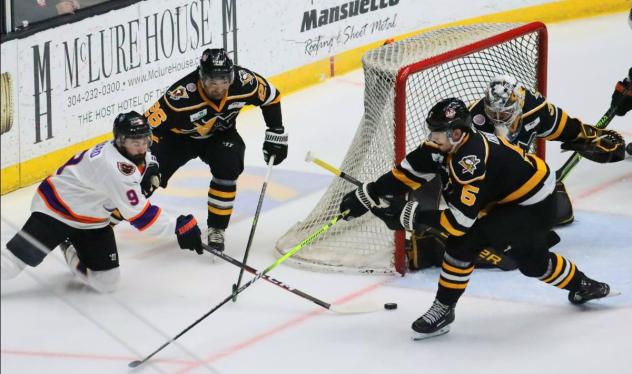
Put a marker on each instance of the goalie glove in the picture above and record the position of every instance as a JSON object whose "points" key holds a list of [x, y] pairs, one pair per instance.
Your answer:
{"points": [[599, 145], [359, 201], [398, 215], [151, 178]]}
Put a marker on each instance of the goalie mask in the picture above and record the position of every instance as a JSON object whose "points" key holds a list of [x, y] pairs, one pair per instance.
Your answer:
{"points": [[503, 105], [132, 136]]}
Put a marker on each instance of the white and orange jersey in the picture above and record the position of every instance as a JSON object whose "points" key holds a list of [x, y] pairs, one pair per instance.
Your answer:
{"points": [[86, 189]]}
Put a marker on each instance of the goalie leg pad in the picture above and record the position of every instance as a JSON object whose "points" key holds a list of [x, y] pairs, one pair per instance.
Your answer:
{"points": [[563, 207], [425, 250]]}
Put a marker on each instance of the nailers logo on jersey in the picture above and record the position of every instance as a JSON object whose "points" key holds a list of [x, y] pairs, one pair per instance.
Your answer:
{"points": [[469, 163], [178, 93], [207, 126], [125, 168]]}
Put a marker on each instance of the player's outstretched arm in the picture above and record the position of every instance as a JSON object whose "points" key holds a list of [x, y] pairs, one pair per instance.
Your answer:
{"points": [[622, 95]]}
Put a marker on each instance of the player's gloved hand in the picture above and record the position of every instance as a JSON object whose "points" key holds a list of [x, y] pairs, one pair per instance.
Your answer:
{"points": [[599, 145], [625, 104], [359, 201], [189, 234], [275, 144], [399, 214], [151, 178]]}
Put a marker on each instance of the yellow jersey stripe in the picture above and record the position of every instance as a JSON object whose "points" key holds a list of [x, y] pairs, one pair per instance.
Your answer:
{"points": [[529, 185], [534, 110], [400, 176], [559, 129], [276, 100], [445, 223]]}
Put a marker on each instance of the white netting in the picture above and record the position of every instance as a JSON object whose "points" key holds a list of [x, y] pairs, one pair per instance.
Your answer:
{"points": [[366, 244]]}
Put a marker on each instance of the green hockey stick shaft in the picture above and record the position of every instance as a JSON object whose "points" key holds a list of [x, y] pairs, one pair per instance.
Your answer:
{"points": [[278, 262]]}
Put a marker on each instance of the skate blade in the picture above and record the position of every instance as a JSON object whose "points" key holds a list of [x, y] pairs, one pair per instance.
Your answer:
{"points": [[613, 293], [421, 336]]}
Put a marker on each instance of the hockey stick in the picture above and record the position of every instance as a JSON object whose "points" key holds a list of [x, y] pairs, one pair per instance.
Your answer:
{"points": [[254, 226], [488, 255], [562, 172], [278, 262], [341, 309]]}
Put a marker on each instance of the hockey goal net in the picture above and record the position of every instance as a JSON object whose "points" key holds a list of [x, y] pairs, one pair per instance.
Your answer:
{"points": [[402, 82]]}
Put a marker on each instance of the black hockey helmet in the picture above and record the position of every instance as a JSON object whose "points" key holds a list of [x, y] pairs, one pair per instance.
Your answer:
{"points": [[215, 64], [131, 125], [449, 114]]}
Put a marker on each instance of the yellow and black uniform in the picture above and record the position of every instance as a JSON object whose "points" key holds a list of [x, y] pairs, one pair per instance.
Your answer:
{"points": [[497, 196], [539, 119], [188, 124]]}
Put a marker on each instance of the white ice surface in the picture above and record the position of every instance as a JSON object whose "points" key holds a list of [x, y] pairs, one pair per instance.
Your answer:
{"points": [[505, 323]]}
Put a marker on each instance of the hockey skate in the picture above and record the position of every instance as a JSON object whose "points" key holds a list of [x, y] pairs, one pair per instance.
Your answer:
{"points": [[589, 289], [75, 265], [436, 321], [215, 238]]}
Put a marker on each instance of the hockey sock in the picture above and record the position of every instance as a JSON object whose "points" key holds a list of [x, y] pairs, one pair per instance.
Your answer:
{"points": [[561, 272], [221, 196], [455, 275]]}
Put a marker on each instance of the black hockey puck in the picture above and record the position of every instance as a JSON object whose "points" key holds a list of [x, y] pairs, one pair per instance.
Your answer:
{"points": [[390, 306], [629, 148]]}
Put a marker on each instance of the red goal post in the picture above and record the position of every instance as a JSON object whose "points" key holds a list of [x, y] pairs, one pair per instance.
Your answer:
{"points": [[402, 81]]}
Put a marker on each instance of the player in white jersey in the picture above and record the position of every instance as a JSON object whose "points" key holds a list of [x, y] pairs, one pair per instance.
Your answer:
{"points": [[72, 208]]}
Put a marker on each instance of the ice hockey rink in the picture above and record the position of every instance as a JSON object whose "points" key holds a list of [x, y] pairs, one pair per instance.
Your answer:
{"points": [[51, 323]]}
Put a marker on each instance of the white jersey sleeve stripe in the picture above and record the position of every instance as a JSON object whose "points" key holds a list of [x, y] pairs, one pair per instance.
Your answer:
{"points": [[54, 202]]}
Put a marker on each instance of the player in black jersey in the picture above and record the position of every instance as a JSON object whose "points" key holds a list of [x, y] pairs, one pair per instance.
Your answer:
{"points": [[196, 118], [497, 196], [521, 115], [626, 101]]}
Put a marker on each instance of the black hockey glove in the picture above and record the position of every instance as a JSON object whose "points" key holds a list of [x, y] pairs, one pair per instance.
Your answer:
{"points": [[275, 144], [599, 145], [625, 102], [399, 214], [359, 201], [151, 178], [189, 234]]}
